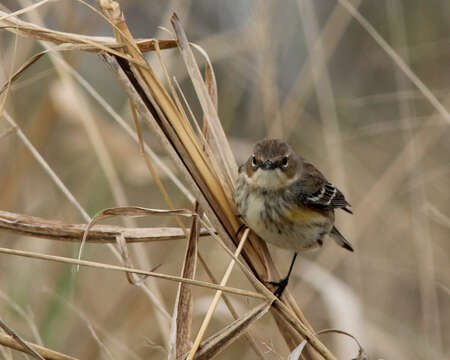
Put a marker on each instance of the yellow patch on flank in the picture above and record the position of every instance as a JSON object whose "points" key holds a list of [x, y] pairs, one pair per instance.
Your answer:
{"points": [[304, 214]]}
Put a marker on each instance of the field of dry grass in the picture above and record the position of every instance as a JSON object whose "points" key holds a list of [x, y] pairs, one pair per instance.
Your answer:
{"points": [[360, 88]]}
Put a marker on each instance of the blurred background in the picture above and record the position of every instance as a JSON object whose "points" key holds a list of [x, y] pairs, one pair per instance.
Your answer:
{"points": [[305, 71]]}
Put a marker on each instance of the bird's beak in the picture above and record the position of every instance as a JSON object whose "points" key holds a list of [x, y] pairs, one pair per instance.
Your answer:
{"points": [[268, 165]]}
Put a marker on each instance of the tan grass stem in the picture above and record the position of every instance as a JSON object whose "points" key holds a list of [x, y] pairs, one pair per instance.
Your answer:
{"points": [[46, 353], [215, 301], [66, 260]]}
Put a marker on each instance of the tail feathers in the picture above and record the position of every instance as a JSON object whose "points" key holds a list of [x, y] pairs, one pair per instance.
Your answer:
{"points": [[347, 210], [340, 239]]}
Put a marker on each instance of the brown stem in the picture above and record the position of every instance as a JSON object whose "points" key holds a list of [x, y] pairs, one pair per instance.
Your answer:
{"points": [[55, 230]]}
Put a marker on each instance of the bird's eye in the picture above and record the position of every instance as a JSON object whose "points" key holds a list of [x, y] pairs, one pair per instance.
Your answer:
{"points": [[285, 162], [254, 164]]}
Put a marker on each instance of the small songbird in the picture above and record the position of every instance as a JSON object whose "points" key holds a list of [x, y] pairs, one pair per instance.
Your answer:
{"points": [[286, 201]]}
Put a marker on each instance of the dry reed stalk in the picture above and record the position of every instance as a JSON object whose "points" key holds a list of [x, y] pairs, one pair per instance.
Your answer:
{"points": [[9, 341], [248, 335], [93, 264], [55, 230], [19, 341], [182, 315], [217, 343], [46, 166], [215, 301]]}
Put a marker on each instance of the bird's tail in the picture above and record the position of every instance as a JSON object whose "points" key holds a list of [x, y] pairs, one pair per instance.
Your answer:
{"points": [[340, 239]]}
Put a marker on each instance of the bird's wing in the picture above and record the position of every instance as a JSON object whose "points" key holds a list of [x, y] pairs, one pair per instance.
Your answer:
{"points": [[315, 191]]}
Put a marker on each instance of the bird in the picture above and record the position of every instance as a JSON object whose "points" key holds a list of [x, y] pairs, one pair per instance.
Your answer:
{"points": [[287, 201]]}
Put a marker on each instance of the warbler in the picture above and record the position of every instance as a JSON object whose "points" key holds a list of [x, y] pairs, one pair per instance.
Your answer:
{"points": [[287, 201]]}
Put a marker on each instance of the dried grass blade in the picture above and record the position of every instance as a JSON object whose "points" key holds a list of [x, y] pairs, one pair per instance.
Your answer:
{"points": [[25, 9], [224, 151], [133, 211], [25, 66], [55, 230], [147, 45], [205, 143], [182, 317], [290, 320], [148, 163], [248, 336], [93, 264], [287, 298], [7, 132], [211, 87], [169, 83], [205, 133], [62, 38], [295, 355], [48, 354], [290, 335], [215, 301], [78, 41], [210, 77], [219, 341], [362, 355], [46, 166], [28, 349], [30, 30]]}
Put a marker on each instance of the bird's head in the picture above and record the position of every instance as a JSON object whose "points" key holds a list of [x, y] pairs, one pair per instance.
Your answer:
{"points": [[272, 165]]}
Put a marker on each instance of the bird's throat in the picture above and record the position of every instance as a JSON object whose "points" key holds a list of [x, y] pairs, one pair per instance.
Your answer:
{"points": [[273, 179]]}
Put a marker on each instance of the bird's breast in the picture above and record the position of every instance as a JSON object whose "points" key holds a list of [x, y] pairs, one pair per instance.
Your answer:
{"points": [[279, 222]]}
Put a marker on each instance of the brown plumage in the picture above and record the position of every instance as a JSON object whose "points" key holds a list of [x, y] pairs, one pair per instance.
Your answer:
{"points": [[286, 200]]}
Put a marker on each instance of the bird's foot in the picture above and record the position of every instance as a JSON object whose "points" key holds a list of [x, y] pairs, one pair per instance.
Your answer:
{"points": [[242, 227], [280, 286]]}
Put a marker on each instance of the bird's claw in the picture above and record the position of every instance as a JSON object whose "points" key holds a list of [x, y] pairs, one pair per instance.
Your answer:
{"points": [[280, 286], [242, 227]]}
